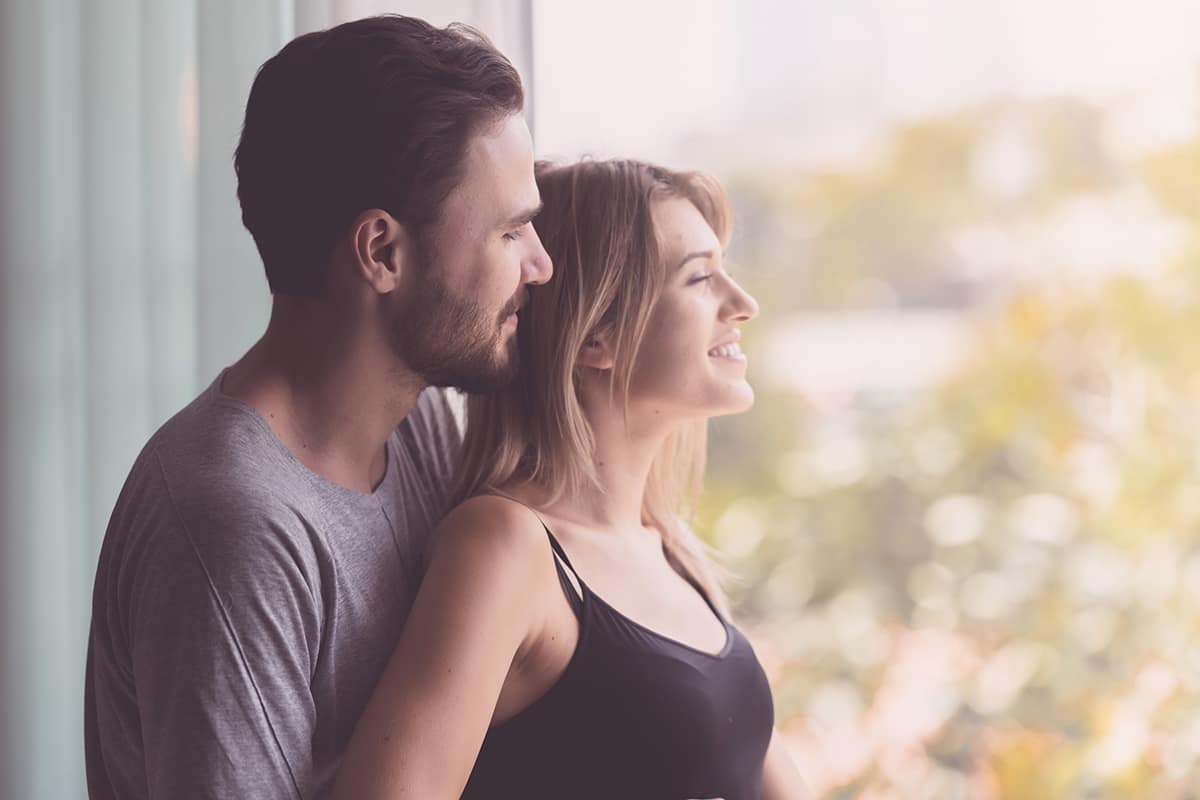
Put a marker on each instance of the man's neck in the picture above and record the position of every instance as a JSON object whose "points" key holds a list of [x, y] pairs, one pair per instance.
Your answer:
{"points": [[330, 394]]}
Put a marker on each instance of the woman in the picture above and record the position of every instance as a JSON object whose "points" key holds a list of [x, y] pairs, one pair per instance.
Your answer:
{"points": [[570, 639]]}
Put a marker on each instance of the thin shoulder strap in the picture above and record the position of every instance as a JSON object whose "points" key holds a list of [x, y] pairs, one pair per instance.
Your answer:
{"points": [[704, 595], [574, 591], [561, 555]]}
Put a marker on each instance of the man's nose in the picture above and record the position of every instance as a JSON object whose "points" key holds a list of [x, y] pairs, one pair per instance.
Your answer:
{"points": [[537, 268]]}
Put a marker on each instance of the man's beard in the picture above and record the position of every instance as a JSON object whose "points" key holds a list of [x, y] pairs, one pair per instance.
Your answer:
{"points": [[453, 341]]}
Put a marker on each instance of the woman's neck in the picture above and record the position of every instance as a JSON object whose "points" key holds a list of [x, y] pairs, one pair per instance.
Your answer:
{"points": [[623, 457]]}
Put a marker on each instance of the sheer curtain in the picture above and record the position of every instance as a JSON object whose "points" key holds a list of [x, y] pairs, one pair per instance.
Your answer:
{"points": [[126, 282]]}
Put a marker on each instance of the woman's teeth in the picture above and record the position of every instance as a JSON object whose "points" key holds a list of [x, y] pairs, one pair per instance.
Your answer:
{"points": [[726, 351]]}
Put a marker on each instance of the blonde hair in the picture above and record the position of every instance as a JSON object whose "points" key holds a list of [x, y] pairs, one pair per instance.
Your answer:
{"points": [[608, 273]]}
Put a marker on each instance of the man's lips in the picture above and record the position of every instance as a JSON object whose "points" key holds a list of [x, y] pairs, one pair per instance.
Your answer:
{"points": [[513, 309]]}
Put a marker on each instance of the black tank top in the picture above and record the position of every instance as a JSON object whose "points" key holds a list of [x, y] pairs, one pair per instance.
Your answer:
{"points": [[634, 715]]}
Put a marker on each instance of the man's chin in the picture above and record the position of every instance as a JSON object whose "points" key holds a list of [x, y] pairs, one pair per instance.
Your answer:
{"points": [[478, 379], [479, 384]]}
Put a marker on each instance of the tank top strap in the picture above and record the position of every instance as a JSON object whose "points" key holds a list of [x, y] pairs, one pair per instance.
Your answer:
{"points": [[561, 562], [700, 590], [558, 550]]}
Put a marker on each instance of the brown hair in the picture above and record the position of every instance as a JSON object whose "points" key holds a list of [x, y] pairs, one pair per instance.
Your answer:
{"points": [[597, 227], [375, 113]]}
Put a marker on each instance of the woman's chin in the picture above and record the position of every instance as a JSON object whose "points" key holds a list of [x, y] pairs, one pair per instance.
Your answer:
{"points": [[739, 400]]}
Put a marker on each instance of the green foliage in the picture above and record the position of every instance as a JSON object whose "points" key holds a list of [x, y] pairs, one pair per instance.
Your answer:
{"points": [[989, 588]]}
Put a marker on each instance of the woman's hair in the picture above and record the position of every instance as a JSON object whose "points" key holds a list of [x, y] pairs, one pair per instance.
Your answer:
{"points": [[597, 227]]}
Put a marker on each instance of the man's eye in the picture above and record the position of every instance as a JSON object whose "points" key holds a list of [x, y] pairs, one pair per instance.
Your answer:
{"points": [[512, 236]]}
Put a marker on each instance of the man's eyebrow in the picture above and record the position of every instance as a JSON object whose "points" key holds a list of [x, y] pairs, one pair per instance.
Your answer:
{"points": [[695, 255], [520, 218]]}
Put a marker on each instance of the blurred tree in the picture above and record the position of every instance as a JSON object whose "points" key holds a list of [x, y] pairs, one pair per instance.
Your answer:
{"points": [[1037, 509]]}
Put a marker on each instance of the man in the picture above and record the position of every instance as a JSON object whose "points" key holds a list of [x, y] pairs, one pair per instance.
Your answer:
{"points": [[266, 547]]}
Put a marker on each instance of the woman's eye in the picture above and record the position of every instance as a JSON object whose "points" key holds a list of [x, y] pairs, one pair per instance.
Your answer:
{"points": [[699, 278]]}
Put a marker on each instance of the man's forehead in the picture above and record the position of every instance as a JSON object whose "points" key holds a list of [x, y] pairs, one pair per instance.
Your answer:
{"points": [[498, 170], [505, 144]]}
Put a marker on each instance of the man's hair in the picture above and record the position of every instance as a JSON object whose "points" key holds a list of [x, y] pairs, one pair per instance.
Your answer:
{"points": [[375, 113]]}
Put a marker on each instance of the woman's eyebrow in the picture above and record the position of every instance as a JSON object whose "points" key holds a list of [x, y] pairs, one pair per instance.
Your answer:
{"points": [[697, 254]]}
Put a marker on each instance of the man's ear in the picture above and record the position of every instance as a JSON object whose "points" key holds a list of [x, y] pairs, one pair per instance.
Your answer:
{"points": [[596, 352], [379, 246]]}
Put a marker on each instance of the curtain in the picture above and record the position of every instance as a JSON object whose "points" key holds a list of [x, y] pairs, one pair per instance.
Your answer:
{"points": [[126, 283]]}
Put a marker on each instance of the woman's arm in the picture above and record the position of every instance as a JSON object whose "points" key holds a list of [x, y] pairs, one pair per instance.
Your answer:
{"points": [[781, 779], [427, 717]]}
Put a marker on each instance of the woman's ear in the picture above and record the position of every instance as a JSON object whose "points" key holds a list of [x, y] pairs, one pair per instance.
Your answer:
{"points": [[379, 246], [596, 353]]}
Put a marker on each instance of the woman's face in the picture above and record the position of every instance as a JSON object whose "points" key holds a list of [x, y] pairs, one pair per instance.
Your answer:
{"points": [[689, 363]]}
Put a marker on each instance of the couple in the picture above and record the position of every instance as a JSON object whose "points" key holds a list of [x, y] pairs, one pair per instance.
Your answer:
{"points": [[274, 613]]}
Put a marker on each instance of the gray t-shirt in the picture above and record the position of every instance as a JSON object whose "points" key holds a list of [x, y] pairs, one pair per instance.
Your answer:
{"points": [[245, 607]]}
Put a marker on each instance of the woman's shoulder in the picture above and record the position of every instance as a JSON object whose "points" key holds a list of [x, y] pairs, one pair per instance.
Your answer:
{"points": [[492, 529]]}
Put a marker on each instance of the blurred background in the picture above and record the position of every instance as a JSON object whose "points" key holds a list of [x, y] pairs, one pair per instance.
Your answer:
{"points": [[964, 512]]}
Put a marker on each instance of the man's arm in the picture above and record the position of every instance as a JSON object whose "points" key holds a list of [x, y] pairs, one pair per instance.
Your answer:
{"points": [[224, 633]]}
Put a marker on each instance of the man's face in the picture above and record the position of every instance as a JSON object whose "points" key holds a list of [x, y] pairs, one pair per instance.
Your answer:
{"points": [[458, 324]]}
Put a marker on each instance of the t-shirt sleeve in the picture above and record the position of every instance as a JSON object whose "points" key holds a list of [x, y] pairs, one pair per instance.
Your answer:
{"points": [[225, 629]]}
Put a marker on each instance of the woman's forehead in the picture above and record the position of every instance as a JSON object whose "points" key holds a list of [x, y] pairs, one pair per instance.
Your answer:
{"points": [[682, 229]]}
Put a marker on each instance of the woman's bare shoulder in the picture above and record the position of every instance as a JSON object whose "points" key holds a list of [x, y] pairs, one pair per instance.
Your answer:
{"points": [[491, 528]]}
